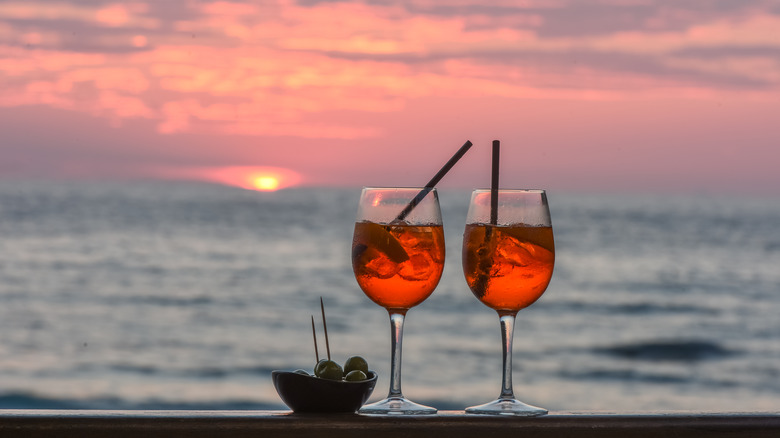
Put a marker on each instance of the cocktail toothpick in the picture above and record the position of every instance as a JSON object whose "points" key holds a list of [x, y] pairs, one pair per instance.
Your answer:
{"points": [[314, 335], [325, 326]]}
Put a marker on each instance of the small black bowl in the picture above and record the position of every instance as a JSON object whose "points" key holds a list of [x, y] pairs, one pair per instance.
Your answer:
{"points": [[303, 393]]}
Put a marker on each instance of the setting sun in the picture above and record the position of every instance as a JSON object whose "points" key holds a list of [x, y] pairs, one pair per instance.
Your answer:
{"points": [[258, 178], [266, 182], [266, 179]]}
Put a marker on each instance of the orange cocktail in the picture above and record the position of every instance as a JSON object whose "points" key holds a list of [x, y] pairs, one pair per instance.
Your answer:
{"points": [[508, 267], [397, 266]]}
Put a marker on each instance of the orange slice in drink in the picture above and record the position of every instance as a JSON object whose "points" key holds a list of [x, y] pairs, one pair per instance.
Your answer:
{"points": [[378, 237], [541, 236]]}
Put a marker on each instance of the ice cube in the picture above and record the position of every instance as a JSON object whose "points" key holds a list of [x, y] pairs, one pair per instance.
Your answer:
{"points": [[378, 264], [418, 268], [372, 262], [521, 253], [499, 266], [408, 238], [512, 251]]}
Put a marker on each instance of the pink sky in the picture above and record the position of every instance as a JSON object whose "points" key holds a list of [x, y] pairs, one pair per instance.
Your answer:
{"points": [[615, 95]]}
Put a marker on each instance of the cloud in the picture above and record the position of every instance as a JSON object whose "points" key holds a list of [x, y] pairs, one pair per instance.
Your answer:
{"points": [[282, 68], [106, 14]]}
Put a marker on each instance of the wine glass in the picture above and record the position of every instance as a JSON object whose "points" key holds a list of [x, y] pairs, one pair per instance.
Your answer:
{"points": [[398, 258], [508, 258]]}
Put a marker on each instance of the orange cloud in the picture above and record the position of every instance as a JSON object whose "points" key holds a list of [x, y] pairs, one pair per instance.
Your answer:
{"points": [[140, 41], [229, 9], [43, 11], [129, 80], [113, 15], [118, 106]]}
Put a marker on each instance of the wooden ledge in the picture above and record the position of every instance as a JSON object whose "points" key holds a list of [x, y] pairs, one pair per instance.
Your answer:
{"points": [[454, 424]]}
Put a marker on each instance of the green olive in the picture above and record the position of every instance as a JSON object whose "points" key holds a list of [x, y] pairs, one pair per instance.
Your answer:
{"points": [[316, 373], [356, 363], [327, 369], [355, 376], [302, 372]]}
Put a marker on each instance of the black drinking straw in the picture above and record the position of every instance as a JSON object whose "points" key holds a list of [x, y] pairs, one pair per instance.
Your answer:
{"points": [[314, 334], [325, 326], [435, 180], [481, 283], [494, 185]]}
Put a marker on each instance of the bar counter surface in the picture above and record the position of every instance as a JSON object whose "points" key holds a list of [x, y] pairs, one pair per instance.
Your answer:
{"points": [[451, 424]]}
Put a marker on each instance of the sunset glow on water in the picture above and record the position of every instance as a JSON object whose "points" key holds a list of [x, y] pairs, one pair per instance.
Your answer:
{"points": [[252, 178]]}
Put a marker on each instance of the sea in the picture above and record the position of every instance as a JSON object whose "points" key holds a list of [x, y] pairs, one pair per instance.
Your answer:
{"points": [[163, 295]]}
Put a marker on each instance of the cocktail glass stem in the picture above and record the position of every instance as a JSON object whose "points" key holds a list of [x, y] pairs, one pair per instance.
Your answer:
{"points": [[396, 403], [507, 404], [507, 321], [396, 339]]}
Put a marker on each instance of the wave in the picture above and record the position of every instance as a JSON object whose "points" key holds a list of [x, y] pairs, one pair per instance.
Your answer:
{"points": [[624, 375], [200, 373], [23, 400], [681, 351], [641, 308], [163, 301]]}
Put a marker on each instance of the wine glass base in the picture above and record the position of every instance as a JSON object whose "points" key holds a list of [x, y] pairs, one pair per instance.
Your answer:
{"points": [[507, 407], [397, 406]]}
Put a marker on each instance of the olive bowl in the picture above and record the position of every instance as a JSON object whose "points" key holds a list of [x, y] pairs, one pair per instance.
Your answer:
{"points": [[306, 393]]}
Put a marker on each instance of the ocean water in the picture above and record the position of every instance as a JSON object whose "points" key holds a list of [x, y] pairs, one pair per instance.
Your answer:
{"points": [[186, 296]]}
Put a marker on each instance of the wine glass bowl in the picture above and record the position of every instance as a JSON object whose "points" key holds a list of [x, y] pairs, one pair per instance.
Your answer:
{"points": [[508, 259], [398, 258], [399, 264]]}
